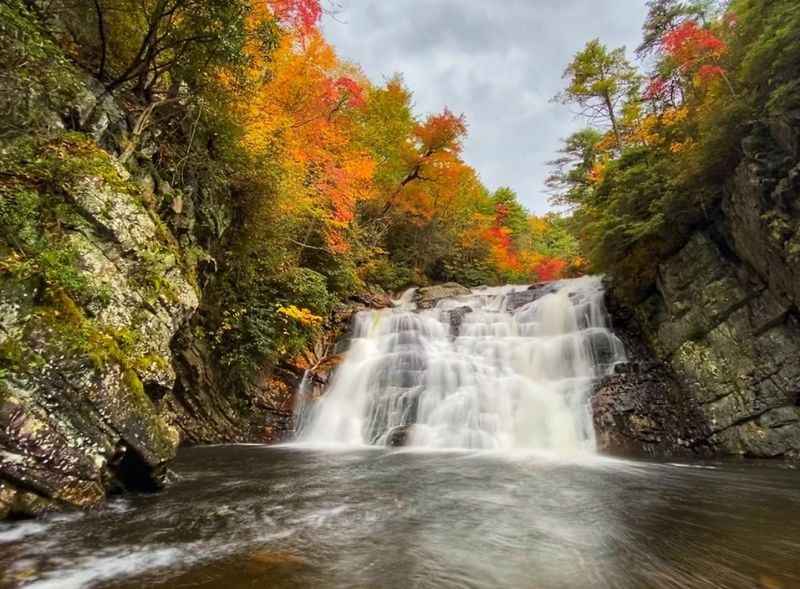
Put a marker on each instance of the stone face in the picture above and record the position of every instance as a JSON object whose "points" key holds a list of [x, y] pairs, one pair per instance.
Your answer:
{"points": [[763, 210], [724, 321], [77, 411]]}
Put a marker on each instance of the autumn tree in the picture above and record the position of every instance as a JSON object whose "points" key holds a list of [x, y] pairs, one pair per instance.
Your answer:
{"points": [[599, 82], [433, 150], [664, 16]]}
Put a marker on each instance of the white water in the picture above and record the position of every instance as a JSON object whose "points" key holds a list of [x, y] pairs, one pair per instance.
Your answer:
{"points": [[509, 379]]}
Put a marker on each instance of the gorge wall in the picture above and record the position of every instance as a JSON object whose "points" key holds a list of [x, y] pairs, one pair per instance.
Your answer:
{"points": [[720, 368], [106, 261]]}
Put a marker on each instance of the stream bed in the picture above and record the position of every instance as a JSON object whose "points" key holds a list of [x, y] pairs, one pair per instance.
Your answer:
{"points": [[289, 517]]}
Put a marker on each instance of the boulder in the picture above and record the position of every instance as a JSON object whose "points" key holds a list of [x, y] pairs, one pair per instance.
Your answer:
{"points": [[456, 318], [520, 298], [426, 297]]}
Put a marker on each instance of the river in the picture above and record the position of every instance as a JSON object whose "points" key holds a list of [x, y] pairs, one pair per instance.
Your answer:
{"points": [[253, 516]]}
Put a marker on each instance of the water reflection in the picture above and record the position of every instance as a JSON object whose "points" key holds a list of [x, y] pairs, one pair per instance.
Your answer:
{"points": [[248, 516]]}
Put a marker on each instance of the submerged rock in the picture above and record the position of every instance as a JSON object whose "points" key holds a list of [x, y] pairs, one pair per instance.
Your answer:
{"points": [[399, 436], [456, 318]]}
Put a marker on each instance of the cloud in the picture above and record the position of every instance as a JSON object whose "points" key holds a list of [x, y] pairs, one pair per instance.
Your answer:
{"points": [[497, 61]]}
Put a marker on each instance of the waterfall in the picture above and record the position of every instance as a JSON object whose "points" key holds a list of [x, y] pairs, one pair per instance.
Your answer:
{"points": [[492, 369]]}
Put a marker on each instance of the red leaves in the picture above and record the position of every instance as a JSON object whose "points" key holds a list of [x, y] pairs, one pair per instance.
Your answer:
{"points": [[550, 269], [343, 91], [302, 15], [693, 53], [350, 90], [657, 89], [710, 72], [502, 242], [689, 44]]}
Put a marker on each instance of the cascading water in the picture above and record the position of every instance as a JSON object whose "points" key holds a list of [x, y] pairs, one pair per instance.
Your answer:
{"points": [[476, 371]]}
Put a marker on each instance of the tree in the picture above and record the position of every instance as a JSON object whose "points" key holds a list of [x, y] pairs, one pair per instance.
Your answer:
{"points": [[600, 81], [664, 16], [433, 149], [574, 172]]}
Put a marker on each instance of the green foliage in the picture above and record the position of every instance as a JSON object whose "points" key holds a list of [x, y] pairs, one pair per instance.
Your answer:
{"points": [[599, 80], [36, 79], [382, 272], [635, 206], [149, 46], [253, 332], [32, 220]]}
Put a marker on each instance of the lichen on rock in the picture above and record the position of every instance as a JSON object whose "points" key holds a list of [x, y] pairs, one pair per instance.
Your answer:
{"points": [[93, 293]]}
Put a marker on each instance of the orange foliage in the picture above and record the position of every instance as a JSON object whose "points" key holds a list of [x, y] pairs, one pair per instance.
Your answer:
{"points": [[550, 269], [299, 113]]}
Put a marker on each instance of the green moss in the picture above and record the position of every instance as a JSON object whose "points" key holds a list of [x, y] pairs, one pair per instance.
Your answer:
{"points": [[36, 216], [134, 383], [67, 331], [57, 161]]}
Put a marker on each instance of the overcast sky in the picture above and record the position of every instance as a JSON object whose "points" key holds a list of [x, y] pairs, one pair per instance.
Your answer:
{"points": [[497, 61]]}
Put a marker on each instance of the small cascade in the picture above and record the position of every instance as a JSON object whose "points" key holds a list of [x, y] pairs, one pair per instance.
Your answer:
{"points": [[491, 370]]}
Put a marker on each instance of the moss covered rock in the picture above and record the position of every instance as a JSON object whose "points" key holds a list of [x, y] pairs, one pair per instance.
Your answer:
{"points": [[92, 291]]}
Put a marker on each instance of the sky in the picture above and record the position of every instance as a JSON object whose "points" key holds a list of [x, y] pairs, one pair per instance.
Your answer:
{"points": [[499, 62]]}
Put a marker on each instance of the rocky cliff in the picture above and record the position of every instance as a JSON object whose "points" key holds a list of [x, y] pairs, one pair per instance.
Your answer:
{"points": [[106, 258], [719, 370]]}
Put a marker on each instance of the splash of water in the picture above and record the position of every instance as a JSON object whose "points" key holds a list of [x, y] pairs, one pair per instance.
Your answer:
{"points": [[474, 372]]}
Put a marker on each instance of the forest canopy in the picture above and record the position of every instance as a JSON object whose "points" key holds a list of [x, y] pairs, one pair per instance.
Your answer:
{"points": [[310, 183]]}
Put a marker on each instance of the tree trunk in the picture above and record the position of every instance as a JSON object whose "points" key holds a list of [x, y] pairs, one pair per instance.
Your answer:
{"points": [[614, 125]]}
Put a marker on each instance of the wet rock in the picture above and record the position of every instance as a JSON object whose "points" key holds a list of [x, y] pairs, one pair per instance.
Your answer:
{"points": [[520, 298], [456, 318], [427, 296], [399, 436], [642, 410]]}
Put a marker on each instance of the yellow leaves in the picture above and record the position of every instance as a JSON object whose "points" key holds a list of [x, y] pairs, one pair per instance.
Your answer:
{"points": [[659, 129], [607, 143], [674, 115], [682, 146], [302, 315], [647, 131], [597, 173]]}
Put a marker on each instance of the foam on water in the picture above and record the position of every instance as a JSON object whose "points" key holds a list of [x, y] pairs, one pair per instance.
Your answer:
{"points": [[510, 378]]}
